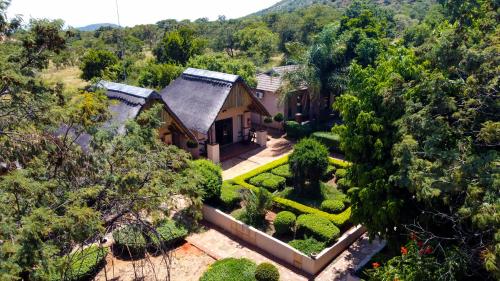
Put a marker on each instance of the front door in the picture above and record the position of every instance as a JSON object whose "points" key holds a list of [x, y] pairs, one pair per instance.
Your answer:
{"points": [[224, 131]]}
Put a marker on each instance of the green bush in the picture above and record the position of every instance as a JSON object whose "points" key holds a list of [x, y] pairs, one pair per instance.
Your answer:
{"points": [[130, 241], [168, 233], [329, 139], [296, 131], [284, 222], [328, 174], [341, 173], [267, 272], [308, 245], [230, 195], [279, 117], [332, 206], [242, 179], [308, 162], [268, 181], [317, 227], [343, 184], [339, 163], [230, 269], [82, 264], [211, 179], [283, 171]]}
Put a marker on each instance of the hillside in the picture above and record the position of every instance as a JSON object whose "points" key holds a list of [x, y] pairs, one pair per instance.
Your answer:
{"points": [[95, 26]]}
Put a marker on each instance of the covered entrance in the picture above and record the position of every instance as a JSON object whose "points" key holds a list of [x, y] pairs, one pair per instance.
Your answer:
{"points": [[224, 131]]}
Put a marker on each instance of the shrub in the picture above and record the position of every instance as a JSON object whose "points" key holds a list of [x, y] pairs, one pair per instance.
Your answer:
{"points": [[332, 206], [308, 162], [284, 222], [343, 184], [230, 269], [328, 174], [341, 173], [210, 179], [192, 144], [230, 195], [241, 179], [268, 181], [308, 245], [330, 140], [256, 206], [283, 171], [267, 272], [338, 163], [130, 241], [279, 117], [268, 120], [82, 264], [296, 131], [317, 227], [168, 233]]}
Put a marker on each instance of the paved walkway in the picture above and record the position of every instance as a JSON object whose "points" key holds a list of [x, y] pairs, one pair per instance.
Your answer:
{"points": [[277, 146]]}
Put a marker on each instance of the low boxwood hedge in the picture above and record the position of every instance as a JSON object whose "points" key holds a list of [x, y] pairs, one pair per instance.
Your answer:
{"points": [[82, 264], [329, 139], [267, 272], [230, 269], [308, 245], [317, 227], [284, 222], [332, 206], [168, 233], [340, 173], [268, 181], [339, 164], [230, 195], [283, 171], [129, 241], [296, 131]]}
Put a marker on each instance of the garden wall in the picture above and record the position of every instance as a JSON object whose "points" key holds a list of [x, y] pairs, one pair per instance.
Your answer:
{"points": [[280, 249]]}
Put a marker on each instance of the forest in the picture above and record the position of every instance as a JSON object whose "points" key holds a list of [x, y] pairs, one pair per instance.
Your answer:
{"points": [[416, 86]]}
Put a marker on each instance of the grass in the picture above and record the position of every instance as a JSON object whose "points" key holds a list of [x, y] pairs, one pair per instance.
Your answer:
{"points": [[69, 76]]}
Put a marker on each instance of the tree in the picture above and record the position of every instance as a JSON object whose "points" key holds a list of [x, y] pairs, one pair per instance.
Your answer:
{"points": [[99, 64], [308, 162], [178, 46], [258, 41], [158, 76]]}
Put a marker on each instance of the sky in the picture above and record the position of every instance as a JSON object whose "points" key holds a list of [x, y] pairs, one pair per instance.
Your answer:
{"points": [[78, 13]]}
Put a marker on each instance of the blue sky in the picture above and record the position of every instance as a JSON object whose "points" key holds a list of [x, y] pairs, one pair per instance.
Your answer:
{"points": [[83, 12]]}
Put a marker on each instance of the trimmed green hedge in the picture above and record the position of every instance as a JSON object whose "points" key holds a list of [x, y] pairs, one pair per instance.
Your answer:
{"points": [[268, 181], [210, 180], [168, 234], [332, 206], [340, 164], [267, 272], [308, 245], [318, 227], [82, 264], [329, 139], [230, 269], [341, 173], [283, 171], [296, 131], [130, 241], [284, 222], [230, 195]]}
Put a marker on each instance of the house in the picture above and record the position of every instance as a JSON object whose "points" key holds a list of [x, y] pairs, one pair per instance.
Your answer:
{"points": [[298, 106], [216, 107]]}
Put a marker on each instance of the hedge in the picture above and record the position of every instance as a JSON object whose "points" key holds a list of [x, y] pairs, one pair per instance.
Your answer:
{"points": [[328, 174], [296, 131], [329, 139], [241, 179], [211, 179], [283, 171], [230, 195], [341, 173], [308, 246], [130, 241], [267, 272], [338, 163], [284, 222], [269, 181], [168, 233], [332, 206], [318, 227], [230, 269], [82, 264]]}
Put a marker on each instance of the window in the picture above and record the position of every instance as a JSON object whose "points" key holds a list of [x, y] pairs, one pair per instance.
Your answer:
{"points": [[259, 95]]}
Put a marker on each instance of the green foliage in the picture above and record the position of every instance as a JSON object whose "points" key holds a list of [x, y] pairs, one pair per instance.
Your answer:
{"points": [[167, 233], [308, 162], [330, 140], [269, 181], [332, 206], [82, 264], [230, 269], [267, 272], [230, 195], [224, 63], [268, 120], [178, 46], [211, 179], [283, 171], [279, 117], [308, 245], [341, 173], [158, 76], [256, 206], [295, 130], [329, 172], [258, 41], [284, 223], [130, 241], [99, 64], [318, 227]]}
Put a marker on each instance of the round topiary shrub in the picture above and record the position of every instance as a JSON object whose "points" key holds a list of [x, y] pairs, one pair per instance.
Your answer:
{"points": [[341, 173], [210, 179], [230, 269], [267, 272], [284, 222], [332, 206], [279, 117], [319, 228], [268, 181], [308, 162], [129, 242]]}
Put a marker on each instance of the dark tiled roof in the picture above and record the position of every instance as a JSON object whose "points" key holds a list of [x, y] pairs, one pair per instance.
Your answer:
{"points": [[272, 80]]}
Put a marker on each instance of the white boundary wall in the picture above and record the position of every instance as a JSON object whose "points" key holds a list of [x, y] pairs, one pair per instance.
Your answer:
{"points": [[278, 248]]}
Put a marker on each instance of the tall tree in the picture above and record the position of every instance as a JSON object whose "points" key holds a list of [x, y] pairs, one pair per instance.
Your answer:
{"points": [[178, 46]]}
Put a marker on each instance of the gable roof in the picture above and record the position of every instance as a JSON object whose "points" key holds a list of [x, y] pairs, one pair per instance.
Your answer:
{"points": [[197, 97], [272, 80]]}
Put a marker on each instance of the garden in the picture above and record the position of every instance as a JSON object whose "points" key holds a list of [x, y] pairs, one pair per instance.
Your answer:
{"points": [[298, 199]]}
